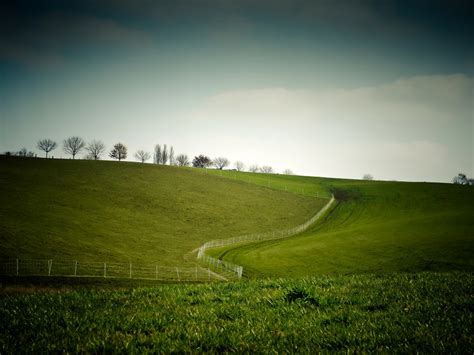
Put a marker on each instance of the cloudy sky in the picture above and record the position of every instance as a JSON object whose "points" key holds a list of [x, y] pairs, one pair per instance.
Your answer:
{"points": [[325, 88]]}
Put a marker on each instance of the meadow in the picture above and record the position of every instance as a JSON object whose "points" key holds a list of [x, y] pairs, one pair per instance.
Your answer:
{"points": [[394, 312], [129, 212], [376, 226], [388, 268]]}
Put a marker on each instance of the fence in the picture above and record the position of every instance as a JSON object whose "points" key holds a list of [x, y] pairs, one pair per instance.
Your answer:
{"points": [[23, 267], [237, 270]]}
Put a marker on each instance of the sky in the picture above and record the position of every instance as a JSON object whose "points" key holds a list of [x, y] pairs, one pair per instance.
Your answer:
{"points": [[324, 88]]}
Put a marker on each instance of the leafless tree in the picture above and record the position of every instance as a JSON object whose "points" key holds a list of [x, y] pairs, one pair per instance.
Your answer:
{"points": [[253, 168], [220, 163], [118, 152], [142, 156], [461, 179], [73, 145], [157, 157], [239, 166], [47, 145], [182, 160], [96, 149], [287, 172], [172, 159], [164, 155], [367, 177], [202, 161], [266, 169]]}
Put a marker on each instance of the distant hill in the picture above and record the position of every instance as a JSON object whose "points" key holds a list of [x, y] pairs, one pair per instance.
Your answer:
{"points": [[375, 227], [110, 211]]}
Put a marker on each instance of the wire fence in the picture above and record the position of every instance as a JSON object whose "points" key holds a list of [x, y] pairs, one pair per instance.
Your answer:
{"points": [[24, 267], [237, 270]]}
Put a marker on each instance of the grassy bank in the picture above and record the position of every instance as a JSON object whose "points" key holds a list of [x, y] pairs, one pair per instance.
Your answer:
{"points": [[120, 212], [375, 227]]}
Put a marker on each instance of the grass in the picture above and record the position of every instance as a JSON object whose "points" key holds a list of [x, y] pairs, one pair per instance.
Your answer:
{"points": [[406, 249], [393, 312], [120, 212], [375, 227]]}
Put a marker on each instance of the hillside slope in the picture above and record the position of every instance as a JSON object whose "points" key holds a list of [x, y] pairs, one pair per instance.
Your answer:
{"points": [[376, 227], [109, 211]]}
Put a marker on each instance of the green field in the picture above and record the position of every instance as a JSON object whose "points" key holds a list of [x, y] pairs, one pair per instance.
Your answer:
{"points": [[120, 212], [397, 312], [389, 268], [375, 227]]}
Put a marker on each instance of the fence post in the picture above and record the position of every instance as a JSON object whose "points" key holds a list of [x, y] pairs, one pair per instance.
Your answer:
{"points": [[75, 268], [196, 273], [130, 270], [50, 264], [105, 268], [17, 266], [209, 273], [177, 272], [156, 272]]}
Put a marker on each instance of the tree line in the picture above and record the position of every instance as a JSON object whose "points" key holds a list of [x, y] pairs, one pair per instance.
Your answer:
{"points": [[162, 155]]}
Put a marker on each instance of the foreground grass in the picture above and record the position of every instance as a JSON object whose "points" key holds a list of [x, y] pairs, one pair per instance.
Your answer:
{"points": [[120, 212], [424, 312], [375, 227]]}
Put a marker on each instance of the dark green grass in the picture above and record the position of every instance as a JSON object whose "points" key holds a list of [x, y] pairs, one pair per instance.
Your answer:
{"points": [[394, 312], [375, 227], [110, 211]]}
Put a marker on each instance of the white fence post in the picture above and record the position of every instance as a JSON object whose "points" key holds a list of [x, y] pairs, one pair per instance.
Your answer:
{"points": [[17, 267], [105, 269], [156, 272], [50, 264], [75, 268], [130, 270]]}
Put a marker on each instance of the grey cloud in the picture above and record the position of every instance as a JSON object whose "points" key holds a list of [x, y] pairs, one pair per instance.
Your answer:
{"points": [[45, 42]]}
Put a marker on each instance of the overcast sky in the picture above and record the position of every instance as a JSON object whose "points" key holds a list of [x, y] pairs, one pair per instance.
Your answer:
{"points": [[324, 88]]}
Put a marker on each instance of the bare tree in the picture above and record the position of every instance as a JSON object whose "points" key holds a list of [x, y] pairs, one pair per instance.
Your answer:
{"points": [[239, 166], [157, 156], [367, 177], [73, 145], [266, 169], [47, 145], [118, 152], [142, 156], [253, 168], [96, 149], [172, 159], [164, 155], [461, 179], [182, 160], [202, 161], [287, 172], [220, 163]]}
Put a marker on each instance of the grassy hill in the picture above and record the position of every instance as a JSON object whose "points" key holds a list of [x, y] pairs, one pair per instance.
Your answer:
{"points": [[375, 227], [110, 211]]}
